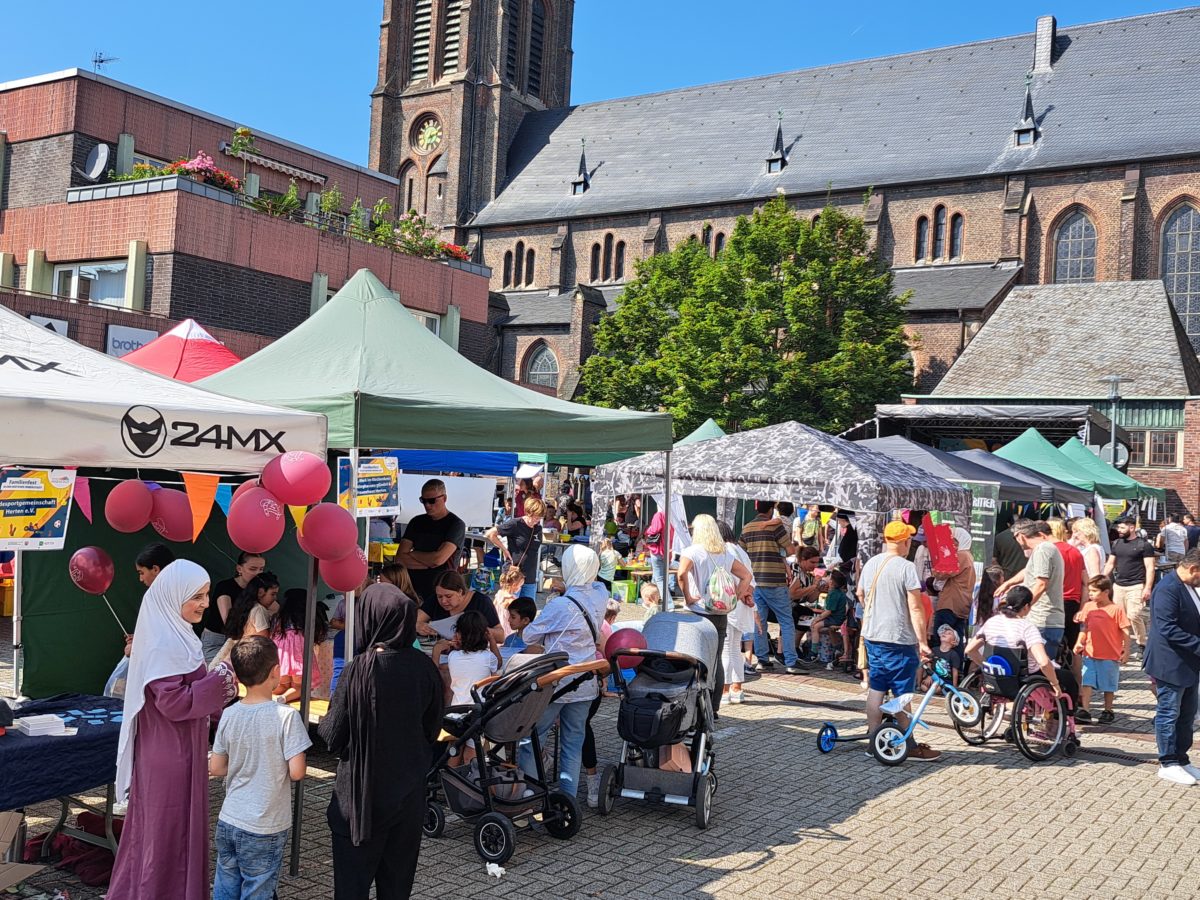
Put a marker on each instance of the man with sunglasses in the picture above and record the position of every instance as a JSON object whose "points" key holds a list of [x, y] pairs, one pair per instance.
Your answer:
{"points": [[432, 541]]}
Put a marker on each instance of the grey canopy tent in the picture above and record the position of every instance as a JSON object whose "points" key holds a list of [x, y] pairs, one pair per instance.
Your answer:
{"points": [[954, 468], [792, 462], [1053, 490]]}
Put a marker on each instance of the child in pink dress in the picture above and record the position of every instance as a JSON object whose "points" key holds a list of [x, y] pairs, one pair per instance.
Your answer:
{"points": [[287, 632]]}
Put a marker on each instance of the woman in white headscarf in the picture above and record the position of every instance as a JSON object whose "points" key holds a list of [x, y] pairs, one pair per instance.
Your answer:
{"points": [[954, 599], [162, 754], [570, 624]]}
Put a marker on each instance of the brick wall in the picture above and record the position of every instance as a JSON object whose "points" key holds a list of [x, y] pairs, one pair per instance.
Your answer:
{"points": [[1182, 484], [518, 342]]}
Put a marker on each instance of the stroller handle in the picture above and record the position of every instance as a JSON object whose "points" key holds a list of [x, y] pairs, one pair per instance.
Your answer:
{"points": [[660, 654], [593, 665]]}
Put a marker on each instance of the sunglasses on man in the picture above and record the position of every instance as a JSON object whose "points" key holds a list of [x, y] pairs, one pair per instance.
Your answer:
{"points": [[429, 501]]}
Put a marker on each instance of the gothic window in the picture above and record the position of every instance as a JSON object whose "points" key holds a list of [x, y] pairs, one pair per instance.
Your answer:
{"points": [[542, 368], [608, 257], [619, 262], [451, 35], [719, 244], [1075, 250], [956, 236], [508, 269], [408, 185], [518, 262], [1181, 266], [939, 232], [537, 39], [595, 272], [529, 266], [706, 236], [922, 248], [512, 28], [422, 20]]}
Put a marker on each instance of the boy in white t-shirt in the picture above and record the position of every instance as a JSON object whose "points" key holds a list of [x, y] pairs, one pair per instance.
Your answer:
{"points": [[260, 747]]}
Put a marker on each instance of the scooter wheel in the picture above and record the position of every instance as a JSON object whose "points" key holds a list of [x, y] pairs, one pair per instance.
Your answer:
{"points": [[827, 738]]}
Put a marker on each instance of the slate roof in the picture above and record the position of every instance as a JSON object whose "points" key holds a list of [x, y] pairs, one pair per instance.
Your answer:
{"points": [[951, 288], [544, 308], [1125, 89], [1059, 339]]}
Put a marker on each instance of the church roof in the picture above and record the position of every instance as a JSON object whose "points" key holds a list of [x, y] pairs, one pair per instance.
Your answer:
{"points": [[1127, 89], [941, 289], [1061, 339]]}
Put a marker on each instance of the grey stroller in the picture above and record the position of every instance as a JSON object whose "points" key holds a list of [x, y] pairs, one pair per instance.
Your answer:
{"points": [[665, 718]]}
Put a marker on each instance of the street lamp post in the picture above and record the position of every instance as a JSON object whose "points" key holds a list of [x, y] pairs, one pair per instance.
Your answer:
{"points": [[1114, 383]]}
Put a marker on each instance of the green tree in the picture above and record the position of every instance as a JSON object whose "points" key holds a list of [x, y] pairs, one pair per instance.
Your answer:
{"points": [[793, 320]]}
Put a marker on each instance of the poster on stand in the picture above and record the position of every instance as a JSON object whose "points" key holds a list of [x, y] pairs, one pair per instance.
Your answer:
{"points": [[378, 485], [35, 505], [985, 500]]}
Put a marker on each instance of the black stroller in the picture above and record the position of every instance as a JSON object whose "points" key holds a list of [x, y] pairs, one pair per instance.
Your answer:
{"points": [[666, 717], [491, 791]]}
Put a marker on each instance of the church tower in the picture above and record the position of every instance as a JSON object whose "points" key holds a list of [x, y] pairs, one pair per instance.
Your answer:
{"points": [[456, 77]]}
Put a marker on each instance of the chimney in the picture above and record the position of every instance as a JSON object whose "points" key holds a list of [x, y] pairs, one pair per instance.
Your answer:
{"points": [[1043, 48]]}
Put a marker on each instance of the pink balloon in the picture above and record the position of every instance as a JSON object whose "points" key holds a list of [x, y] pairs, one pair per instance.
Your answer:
{"points": [[344, 574], [242, 488], [256, 521], [625, 639], [129, 506], [298, 478], [172, 515], [330, 532], [91, 569]]}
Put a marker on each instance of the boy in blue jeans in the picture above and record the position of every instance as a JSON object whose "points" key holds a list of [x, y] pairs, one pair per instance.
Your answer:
{"points": [[259, 747]]}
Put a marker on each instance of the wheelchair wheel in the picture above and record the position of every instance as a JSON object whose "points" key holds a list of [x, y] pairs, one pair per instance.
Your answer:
{"points": [[888, 744], [827, 738], [1039, 721]]}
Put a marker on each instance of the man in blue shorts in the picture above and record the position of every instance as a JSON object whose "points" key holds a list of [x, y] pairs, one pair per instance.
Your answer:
{"points": [[894, 627]]}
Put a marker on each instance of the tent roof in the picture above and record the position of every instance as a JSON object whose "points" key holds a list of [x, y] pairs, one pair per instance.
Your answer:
{"points": [[384, 380], [1075, 451], [66, 404], [789, 461], [1060, 491], [1032, 450], [704, 432], [186, 353], [708, 430], [953, 468]]}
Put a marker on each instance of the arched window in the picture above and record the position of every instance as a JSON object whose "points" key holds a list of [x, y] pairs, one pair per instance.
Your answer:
{"points": [[922, 248], [518, 262], [939, 232], [956, 235], [508, 269], [1075, 250], [537, 41], [706, 236], [451, 35], [418, 67], [719, 245], [619, 262], [542, 368], [595, 273], [608, 254], [1181, 266], [529, 266]]}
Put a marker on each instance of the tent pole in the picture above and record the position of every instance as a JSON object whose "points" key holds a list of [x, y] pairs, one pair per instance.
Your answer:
{"points": [[310, 627], [16, 638], [664, 588], [348, 652]]}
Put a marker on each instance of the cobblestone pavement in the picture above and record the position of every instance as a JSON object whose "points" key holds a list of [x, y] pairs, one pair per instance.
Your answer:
{"points": [[790, 822]]}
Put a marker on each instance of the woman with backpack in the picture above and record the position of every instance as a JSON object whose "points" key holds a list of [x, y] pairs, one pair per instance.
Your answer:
{"points": [[713, 581]]}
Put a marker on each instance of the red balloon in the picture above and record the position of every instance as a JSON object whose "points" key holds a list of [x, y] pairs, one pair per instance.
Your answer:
{"points": [[344, 574], [330, 532], [129, 506], [91, 569], [242, 488], [172, 514], [298, 478], [625, 639], [255, 521], [302, 543]]}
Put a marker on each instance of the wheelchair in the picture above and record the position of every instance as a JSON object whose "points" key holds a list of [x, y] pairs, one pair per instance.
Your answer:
{"points": [[1018, 706]]}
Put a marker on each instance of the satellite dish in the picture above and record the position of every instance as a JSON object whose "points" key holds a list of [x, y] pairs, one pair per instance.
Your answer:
{"points": [[1106, 454], [97, 163]]}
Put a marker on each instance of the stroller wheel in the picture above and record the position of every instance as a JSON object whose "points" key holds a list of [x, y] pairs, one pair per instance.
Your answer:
{"points": [[1070, 748], [609, 788], [704, 796], [495, 838], [435, 820], [563, 816]]}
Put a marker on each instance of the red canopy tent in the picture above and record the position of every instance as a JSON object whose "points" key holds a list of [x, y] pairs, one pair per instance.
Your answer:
{"points": [[186, 353]]}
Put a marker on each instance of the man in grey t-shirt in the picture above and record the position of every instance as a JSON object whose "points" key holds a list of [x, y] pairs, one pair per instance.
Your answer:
{"points": [[894, 627], [1043, 575]]}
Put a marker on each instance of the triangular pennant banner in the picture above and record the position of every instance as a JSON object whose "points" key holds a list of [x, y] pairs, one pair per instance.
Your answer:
{"points": [[298, 514], [201, 491], [83, 496], [225, 497]]}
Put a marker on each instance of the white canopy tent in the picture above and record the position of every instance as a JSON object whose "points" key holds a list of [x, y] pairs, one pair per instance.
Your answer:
{"points": [[66, 404]]}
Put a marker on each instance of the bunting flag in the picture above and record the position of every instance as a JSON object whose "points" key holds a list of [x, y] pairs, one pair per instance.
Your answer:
{"points": [[83, 496], [298, 513], [224, 497], [201, 491]]}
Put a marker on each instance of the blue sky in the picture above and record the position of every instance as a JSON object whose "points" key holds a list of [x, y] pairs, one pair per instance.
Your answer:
{"points": [[285, 67]]}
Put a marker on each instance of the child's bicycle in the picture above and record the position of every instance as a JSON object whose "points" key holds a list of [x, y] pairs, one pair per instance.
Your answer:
{"points": [[889, 743]]}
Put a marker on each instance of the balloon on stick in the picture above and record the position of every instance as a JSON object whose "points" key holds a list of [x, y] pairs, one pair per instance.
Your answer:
{"points": [[129, 506], [298, 478], [92, 570]]}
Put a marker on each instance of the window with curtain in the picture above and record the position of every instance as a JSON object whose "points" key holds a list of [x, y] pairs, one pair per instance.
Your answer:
{"points": [[418, 67], [922, 249], [939, 233], [542, 368], [956, 236], [1181, 266], [1075, 250]]}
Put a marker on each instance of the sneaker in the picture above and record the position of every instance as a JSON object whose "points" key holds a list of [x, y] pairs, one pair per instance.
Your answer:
{"points": [[828, 667], [593, 795], [1193, 771], [736, 696], [1082, 715], [925, 753], [763, 665], [794, 670], [1106, 717], [1176, 775]]}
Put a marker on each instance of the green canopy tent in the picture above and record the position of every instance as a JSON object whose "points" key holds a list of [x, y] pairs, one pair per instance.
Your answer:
{"points": [[1075, 451], [705, 432], [1033, 451]]}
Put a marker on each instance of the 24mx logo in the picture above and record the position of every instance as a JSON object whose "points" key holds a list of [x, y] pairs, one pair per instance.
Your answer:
{"points": [[145, 432]]}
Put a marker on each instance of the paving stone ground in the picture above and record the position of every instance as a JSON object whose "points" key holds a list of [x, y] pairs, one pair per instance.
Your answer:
{"points": [[791, 822]]}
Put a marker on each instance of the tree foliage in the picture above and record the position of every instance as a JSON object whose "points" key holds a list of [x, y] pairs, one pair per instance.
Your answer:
{"points": [[793, 320]]}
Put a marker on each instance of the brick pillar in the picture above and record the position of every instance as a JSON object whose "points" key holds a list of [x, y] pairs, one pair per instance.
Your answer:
{"points": [[652, 236], [1129, 215], [872, 215], [3, 169]]}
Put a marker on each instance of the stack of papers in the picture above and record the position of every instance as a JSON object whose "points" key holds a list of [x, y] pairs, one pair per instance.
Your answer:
{"points": [[37, 725]]}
